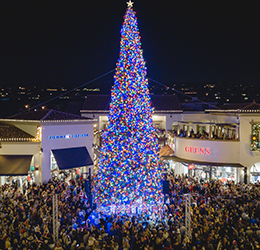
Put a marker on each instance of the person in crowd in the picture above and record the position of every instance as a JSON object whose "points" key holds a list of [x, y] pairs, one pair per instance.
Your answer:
{"points": [[222, 217]]}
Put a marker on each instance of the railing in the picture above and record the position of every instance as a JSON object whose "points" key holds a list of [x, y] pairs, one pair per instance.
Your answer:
{"points": [[207, 138]]}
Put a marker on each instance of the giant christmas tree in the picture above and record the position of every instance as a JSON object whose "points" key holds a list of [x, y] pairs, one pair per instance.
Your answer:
{"points": [[129, 169]]}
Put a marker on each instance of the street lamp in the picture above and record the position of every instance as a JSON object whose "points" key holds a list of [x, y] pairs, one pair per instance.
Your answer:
{"points": [[27, 106]]}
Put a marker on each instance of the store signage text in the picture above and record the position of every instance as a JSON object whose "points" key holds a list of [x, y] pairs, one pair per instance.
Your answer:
{"points": [[53, 137], [191, 166], [197, 150]]}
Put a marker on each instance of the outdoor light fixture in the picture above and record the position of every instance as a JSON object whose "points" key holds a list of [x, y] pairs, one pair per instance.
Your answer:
{"points": [[41, 151]]}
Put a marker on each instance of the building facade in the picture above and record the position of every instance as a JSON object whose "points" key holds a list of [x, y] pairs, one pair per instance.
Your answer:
{"points": [[38, 144], [217, 143], [220, 143]]}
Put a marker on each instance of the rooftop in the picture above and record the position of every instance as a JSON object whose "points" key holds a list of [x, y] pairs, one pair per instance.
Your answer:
{"points": [[74, 108], [96, 102], [165, 103], [9, 132], [46, 115], [238, 107], [159, 102]]}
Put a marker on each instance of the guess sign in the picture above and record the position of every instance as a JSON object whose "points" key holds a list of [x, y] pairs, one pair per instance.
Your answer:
{"points": [[197, 150]]}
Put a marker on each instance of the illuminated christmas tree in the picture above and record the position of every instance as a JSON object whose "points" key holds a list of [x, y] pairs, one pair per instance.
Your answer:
{"points": [[129, 168]]}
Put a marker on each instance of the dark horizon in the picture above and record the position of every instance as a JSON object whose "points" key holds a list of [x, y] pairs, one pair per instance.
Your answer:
{"points": [[63, 43]]}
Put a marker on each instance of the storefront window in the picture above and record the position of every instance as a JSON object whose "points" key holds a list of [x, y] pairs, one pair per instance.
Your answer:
{"points": [[224, 173], [157, 126], [19, 181], [170, 166], [201, 128], [54, 167], [200, 172], [64, 174], [255, 173], [54, 164], [205, 173], [175, 127], [255, 139]]}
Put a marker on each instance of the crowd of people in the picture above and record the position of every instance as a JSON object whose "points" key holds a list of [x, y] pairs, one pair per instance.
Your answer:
{"points": [[223, 216], [203, 135]]}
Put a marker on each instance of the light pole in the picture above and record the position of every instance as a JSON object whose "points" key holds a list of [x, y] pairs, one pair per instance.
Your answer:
{"points": [[27, 106]]}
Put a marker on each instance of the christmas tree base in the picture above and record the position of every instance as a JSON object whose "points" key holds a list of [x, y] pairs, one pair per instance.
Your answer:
{"points": [[131, 209]]}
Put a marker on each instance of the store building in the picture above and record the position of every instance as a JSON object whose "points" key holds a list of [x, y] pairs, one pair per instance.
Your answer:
{"points": [[216, 143], [97, 106], [39, 144]]}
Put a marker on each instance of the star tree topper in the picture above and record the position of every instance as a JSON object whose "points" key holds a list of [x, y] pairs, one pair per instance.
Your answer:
{"points": [[130, 4]]}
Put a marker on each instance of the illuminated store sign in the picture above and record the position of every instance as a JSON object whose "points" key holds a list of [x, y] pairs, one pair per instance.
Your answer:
{"points": [[68, 136], [197, 150], [191, 166]]}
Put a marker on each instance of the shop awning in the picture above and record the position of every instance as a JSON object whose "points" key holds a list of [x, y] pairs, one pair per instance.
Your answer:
{"points": [[206, 163], [166, 151], [68, 158], [15, 164]]}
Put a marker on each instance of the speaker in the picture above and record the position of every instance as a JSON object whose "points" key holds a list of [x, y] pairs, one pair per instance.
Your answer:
{"points": [[87, 187], [166, 188]]}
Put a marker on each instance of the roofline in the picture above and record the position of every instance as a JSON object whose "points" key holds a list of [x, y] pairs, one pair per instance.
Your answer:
{"points": [[168, 111], [9, 139], [249, 111], [46, 121], [19, 120], [94, 111], [107, 111], [194, 111], [69, 121], [233, 110]]}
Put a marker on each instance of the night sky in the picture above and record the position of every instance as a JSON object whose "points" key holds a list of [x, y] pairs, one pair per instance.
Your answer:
{"points": [[52, 43]]}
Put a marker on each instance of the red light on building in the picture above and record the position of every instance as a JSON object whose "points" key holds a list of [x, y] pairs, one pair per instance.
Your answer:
{"points": [[191, 166], [197, 150]]}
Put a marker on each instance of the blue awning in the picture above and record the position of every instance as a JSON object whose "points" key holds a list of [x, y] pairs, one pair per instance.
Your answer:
{"points": [[68, 158]]}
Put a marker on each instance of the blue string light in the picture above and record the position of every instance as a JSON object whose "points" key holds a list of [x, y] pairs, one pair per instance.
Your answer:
{"points": [[129, 166]]}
